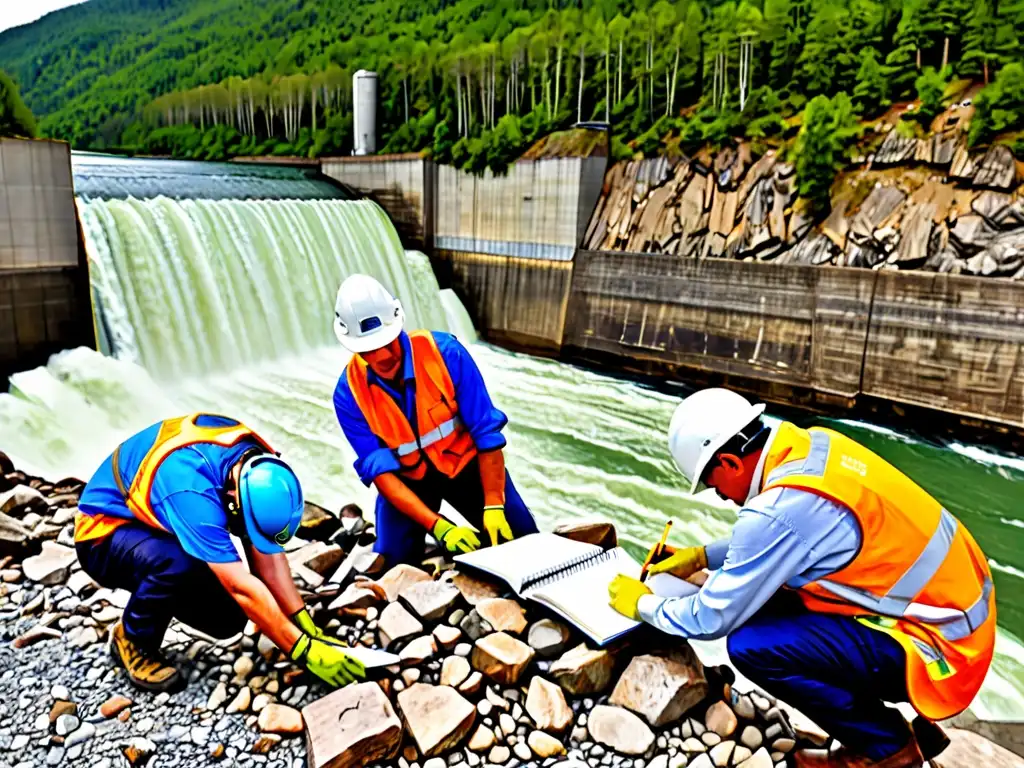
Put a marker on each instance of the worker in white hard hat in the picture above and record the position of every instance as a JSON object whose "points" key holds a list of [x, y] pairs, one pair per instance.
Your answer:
{"points": [[889, 597], [415, 409]]}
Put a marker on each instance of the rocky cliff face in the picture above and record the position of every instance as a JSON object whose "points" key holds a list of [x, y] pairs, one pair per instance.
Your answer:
{"points": [[911, 204]]}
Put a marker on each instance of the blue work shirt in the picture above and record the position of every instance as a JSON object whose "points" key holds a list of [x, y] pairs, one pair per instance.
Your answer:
{"points": [[784, 537], [186, 495], [478, 414]]}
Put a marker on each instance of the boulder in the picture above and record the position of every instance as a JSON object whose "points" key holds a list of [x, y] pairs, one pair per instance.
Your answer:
{"points": [[355, 596], [437, 717], [472, 589], [581, 671], [619, 729], [278, 718], [429, 600], [352, 726], [399, 578], [15, 538], [317, 556], [20, 496], [548, 637], [997, 169], [502, 614], [51, 566], [501, 657], [546, 704], [662, 687], [599, 532], [396, 623]]}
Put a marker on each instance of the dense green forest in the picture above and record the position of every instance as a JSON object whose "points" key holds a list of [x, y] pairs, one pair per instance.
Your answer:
{"points": [[476, 81]]}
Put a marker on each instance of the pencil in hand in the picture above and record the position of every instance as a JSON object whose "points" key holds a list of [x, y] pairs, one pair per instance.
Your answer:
{"points": [[655, 551]]}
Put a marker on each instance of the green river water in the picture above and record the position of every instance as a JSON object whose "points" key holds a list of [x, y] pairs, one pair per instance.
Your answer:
{"points": [[226, 306]]}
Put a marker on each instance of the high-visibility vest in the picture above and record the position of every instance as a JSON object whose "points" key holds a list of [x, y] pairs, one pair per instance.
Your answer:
{"points": [[440, 434], [919, 575], [175, 433]]}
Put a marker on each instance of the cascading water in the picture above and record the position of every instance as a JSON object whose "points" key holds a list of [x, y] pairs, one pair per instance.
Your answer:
{"points": [[225, 305]]}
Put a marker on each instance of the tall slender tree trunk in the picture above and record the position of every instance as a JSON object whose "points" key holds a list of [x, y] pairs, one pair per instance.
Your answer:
{"points": [[919, 58], [672, 88], [458, 101], [312, 109], [618, 86], [607, 84], [579, 95], [405, 88], [984, 67], [558, 73], [945, 52]]}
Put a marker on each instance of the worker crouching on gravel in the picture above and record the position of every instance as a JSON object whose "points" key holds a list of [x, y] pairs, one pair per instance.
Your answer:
{"points": [[156, 519], [896, 602], [417, 413]]}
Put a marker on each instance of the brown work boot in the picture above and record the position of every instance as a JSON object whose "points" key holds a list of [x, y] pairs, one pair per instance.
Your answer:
{"points": [[146, 669], [908, 757]]}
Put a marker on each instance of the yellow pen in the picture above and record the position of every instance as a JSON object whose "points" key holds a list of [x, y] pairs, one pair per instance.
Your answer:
{"points": [[656, 552]]}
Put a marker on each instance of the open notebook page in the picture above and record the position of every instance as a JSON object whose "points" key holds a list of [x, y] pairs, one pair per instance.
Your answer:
{"points": [[582, 596], [515, 561]]}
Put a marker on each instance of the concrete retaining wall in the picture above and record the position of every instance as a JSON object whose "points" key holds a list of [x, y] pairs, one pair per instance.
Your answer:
{"points": [[44, 286]]}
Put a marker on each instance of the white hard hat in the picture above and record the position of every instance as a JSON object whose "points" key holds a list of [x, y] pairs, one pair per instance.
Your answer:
{"points": [[366, 315], [702, 424]]}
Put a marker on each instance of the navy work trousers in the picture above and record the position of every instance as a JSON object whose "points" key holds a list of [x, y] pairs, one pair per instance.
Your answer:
{"points": [[400, 539], [833, 668], [165, 581]]}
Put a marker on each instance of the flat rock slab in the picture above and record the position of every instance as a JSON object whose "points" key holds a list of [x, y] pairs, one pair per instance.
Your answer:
{"points": [[430, 600], [501, 657], [661, 688], [354, 596], [968, 750], [396, 623], [503, 614], [619, 729], [353, 726], [581, 671], [318, 556], [474, 590], [51, 566], [399, 578], [437, 716]]}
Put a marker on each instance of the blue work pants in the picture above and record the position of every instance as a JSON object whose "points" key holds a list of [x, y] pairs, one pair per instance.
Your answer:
{"points": [[165, 581], [832, 668], [400, 539]]}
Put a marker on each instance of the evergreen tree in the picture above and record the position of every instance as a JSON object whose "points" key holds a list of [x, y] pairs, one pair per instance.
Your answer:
{"points": [[1000, 106], [871, 91], [979, 43], [930, 87], [827, 126], [15, 117]]}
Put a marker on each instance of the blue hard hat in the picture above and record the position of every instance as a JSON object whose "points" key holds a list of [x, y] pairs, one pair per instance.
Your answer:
{"points": [[271, 500]]}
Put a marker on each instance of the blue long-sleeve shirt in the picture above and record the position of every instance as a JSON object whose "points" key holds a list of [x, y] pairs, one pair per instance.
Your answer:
{"points": [[479, 415], [786, 537]]}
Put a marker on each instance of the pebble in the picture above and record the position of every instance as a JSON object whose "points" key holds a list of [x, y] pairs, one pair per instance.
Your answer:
{"points": [[60, 693], [484, 707], [145, 725], [243, 667], [84, 732], [199, 735], [711, 738], [499, 755], [55, 755], [217, 698], [463, 649], [241, 701], [113, 706], [66, 724], [783, 745], [522, 750]]}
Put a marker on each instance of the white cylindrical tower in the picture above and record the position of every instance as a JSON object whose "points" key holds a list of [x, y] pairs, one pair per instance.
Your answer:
{"points": [[364, 112]]}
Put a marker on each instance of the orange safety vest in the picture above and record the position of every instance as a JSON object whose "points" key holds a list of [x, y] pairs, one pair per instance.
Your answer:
{"points": [[439, 433], [173, 434], [919, 575]]}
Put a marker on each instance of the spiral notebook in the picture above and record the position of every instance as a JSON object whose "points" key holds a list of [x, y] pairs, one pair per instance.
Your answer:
{"points": [[571, 578]]}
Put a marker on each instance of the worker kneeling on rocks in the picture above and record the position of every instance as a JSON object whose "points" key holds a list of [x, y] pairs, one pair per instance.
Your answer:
{"points": [[157, 519], [896, 602], [417, 413]]}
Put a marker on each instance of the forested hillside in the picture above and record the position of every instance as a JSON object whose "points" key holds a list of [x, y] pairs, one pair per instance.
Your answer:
{"points": [[475, 81]]}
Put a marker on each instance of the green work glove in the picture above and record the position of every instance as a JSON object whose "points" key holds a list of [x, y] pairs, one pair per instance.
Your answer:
{"points": [[455, 538], [328, 662], [496, 525], [304, 621], [624, 593], [681, 563]]}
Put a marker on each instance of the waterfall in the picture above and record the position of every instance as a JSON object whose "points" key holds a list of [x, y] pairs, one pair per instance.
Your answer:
{"points": [[191, 287]]}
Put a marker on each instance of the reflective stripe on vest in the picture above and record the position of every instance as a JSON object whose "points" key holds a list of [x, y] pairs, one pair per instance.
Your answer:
{"points": [[898, 600], [435, 435]]}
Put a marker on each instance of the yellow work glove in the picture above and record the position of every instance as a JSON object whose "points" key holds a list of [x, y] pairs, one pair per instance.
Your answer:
{"points": [[328, 662], [625, 592], [304, 621], [682, 563], [455, 538], [496, 525]]}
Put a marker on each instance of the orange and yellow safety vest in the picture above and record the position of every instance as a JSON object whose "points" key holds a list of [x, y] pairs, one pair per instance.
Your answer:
{"points": [[173, 434], [919, 575], [439, 435]]}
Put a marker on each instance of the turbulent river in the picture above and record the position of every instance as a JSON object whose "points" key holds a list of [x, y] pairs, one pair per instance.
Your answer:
{"points": [[225, 305]]}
